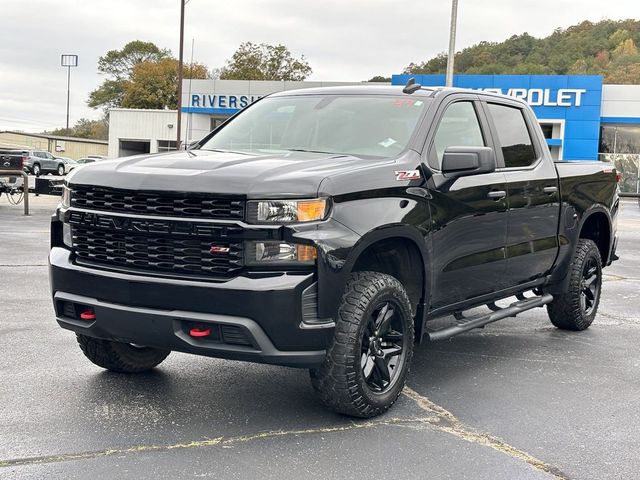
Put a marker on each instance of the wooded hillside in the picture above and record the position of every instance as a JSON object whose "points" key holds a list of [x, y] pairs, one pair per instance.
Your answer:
{"points": [[608, 48]]}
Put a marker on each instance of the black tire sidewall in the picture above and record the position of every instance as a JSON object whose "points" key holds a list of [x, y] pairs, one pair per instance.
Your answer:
{"points": [[60, 167], [37, 171]]}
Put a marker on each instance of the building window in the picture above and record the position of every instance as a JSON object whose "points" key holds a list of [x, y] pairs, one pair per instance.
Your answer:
{"points": [[547, 130], [166, 145], [620, 139], [217, 121]]}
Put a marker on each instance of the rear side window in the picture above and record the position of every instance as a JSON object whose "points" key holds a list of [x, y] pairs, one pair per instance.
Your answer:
{"points": [[459, 127], [513, 135]]}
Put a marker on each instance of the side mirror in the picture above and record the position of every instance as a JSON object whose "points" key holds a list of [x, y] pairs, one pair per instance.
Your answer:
{"points": [[464, 161]]}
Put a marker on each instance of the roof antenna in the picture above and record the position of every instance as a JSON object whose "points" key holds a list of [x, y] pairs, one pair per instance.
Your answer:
{"points": [[411, 86]]}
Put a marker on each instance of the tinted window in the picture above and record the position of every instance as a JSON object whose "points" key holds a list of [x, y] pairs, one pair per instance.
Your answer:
{"points": [[513, 135], [459, 127]]}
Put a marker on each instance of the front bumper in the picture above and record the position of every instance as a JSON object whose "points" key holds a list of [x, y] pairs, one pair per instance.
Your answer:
{"points": [[257, 319]]}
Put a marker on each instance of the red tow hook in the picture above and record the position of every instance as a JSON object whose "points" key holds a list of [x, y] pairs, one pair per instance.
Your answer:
{"points": [[88, 315], [200, 332]]}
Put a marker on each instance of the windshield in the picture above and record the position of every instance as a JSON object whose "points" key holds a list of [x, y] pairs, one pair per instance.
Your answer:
{"points": [[373, 125]]}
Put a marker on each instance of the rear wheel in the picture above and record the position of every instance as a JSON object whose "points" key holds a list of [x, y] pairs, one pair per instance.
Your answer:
{"points": [[121, 357], [61, 170], [36, 169], [576, 309], [366, 365]]}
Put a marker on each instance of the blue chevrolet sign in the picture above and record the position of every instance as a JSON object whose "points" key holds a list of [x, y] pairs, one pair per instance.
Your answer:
{"points": [[571, 102]]}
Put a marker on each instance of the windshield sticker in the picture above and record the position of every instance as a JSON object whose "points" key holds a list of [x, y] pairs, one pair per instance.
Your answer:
{"points": [[387, 143], [402, 175]]}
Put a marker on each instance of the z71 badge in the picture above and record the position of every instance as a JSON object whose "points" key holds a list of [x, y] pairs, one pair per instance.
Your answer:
{"points": [[402, 175]]}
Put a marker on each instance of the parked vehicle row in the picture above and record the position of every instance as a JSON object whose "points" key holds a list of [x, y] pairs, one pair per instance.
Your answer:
{"points": [[41, 162]]}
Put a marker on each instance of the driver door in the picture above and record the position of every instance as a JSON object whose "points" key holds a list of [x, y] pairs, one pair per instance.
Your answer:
{"points": [[469, 214]]}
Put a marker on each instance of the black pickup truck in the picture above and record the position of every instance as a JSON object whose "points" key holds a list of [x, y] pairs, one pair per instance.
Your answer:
{"points": [[324, 229]]}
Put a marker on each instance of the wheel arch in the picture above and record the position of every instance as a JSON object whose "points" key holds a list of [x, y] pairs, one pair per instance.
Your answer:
{"points": [[394, 251], [596, 226]]}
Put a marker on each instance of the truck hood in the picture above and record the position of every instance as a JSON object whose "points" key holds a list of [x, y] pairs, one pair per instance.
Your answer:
{"points": [[286, 174]]}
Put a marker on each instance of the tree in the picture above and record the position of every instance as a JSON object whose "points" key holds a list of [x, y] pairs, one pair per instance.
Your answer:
{"points": [[153, 83], [85, 128], [253, 61], [119, 66], [380, 79], [604, 48]]}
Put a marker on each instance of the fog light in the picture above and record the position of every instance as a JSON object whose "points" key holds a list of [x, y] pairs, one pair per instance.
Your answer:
{"points": [[66, 235]]}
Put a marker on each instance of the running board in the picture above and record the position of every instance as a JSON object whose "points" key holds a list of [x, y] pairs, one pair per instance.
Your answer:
{"points": [[522, 305]]}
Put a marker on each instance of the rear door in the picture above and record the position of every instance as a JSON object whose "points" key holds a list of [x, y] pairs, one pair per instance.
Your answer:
{"points": [[469, 216], [532, 190]]}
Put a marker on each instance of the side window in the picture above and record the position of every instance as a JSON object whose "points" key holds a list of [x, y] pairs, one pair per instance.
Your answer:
{"points": [[459, 127], [513, 135]]}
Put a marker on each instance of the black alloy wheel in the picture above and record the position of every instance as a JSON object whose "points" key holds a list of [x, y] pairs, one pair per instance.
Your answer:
{"points": [[368, 360], [383, 352], [589, 286]]}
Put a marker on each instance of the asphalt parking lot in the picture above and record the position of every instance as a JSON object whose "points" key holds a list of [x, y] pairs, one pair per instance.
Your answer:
{"points": [[516, 400]]}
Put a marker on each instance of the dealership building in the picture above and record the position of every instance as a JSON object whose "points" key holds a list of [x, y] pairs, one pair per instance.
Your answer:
{"points": [[582, 119]]}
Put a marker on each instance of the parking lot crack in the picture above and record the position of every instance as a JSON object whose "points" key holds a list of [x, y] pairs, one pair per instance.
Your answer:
{"points": [[445, 421], [218, 441]]}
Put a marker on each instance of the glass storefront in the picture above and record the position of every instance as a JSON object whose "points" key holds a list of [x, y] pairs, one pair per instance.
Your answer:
{"points": [[620, 144]]}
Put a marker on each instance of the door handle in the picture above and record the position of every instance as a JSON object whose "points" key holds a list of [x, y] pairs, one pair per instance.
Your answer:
{"points": [[550, 189], [497, 194]]}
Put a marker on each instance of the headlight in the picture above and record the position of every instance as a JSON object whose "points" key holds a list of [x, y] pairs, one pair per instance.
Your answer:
{"points": [[266, 253], [287, 211], [66, 197]]}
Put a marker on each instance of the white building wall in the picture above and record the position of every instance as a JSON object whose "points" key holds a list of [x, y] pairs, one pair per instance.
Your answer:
{"points": [[143, 125], [621, 101]]}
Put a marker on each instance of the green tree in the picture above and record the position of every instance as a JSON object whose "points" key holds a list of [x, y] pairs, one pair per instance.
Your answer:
{"points": [[153, 83], [85, 128], [606, 48], [118, 65], [253, 61], [379, 79]]}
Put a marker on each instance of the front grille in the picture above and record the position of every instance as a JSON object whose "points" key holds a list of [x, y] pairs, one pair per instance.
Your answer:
{"points": [[156, 253], [170, 204]]}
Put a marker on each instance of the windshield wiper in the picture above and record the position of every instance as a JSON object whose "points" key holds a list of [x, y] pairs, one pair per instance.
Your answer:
{"points": [[309, 151]]}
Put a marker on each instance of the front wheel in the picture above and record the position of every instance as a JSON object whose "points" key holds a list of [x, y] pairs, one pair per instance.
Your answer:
{"points": [[61, 170], [577, 307], [367, 363], [120, 357]]}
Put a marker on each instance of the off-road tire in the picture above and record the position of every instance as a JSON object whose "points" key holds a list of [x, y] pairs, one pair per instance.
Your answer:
{"points": [[120, 357], [340, 382], [566, 311]]}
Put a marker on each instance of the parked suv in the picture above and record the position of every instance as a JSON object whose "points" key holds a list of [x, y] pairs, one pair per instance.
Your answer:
{"points": [[38, 162]]}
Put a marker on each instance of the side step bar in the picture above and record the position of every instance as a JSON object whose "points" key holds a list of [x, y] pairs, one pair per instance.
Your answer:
{"points": [[522, 305]]}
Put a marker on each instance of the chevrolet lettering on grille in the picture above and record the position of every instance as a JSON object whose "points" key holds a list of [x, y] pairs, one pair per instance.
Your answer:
{"points": [[140, 225]]}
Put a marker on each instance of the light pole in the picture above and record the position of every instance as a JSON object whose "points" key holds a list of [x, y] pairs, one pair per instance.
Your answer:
{"points": [[179, 133], [68, 61], [452, 42]]}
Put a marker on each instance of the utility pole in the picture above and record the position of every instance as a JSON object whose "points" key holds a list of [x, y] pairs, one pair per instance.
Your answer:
{"points": [[452, 42], [68, 61], [180, 58]]}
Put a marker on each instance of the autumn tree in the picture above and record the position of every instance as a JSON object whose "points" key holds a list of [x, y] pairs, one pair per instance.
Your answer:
{"points": [[253, 61], [153, 83], [118, 66]]}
